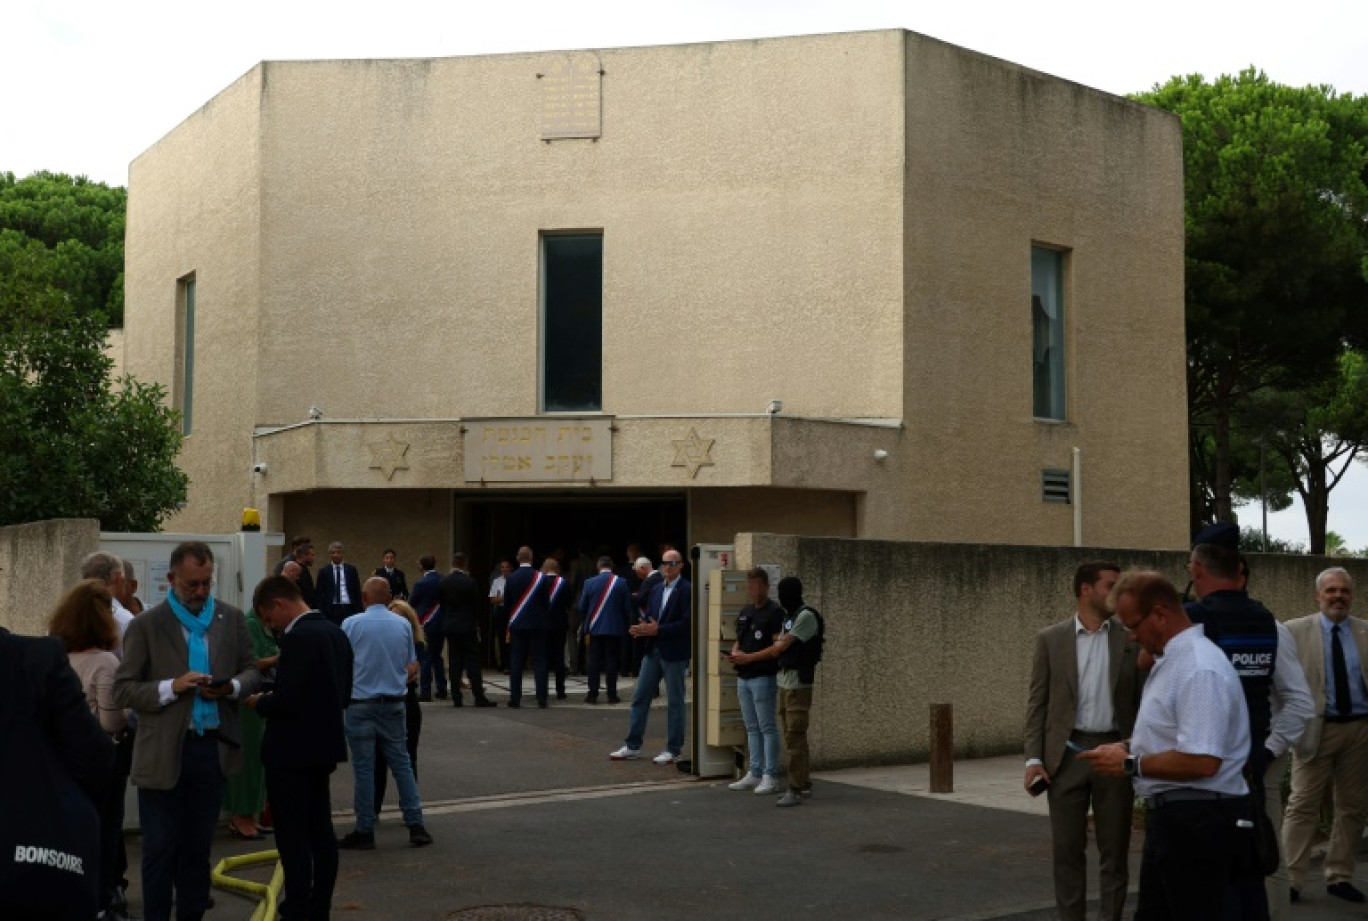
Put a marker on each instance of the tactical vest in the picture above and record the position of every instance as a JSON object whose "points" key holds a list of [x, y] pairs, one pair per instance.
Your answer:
{"points": [[755, 631], [1247, 633], [801, 656]]}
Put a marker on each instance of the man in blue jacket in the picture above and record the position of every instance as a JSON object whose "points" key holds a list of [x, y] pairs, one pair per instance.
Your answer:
{"points": [[524, 610], [607, 605], [665, 627], [427, 604]]}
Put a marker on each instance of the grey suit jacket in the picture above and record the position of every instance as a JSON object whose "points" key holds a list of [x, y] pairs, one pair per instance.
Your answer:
{"points": [[1052, 704], [154, 649], [1311, 652]]}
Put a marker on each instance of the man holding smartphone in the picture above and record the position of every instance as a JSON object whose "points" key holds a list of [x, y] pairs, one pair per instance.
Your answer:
{"points": [[1085, 692]]}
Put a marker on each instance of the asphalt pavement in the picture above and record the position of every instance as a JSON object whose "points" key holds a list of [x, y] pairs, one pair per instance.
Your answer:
{"points": [[532, 820]]}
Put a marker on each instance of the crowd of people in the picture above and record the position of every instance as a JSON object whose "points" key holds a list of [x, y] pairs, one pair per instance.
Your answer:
{"points": [[1193, 708]]}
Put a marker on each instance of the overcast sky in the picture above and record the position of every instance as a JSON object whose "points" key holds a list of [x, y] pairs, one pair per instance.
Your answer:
{"points": [[92, 83]]}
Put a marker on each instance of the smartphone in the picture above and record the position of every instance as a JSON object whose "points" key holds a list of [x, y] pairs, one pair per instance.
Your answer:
{"points": [[1039, 786], [217, 683], [1075, 747]]}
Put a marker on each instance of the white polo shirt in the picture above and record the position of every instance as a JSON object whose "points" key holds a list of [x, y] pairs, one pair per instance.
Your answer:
{"points": [[1193, 703]]}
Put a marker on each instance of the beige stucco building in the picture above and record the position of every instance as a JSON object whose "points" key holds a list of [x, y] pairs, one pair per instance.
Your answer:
{"points": [[550, 297]]}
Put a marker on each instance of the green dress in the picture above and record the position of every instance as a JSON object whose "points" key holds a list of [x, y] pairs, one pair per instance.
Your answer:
{"points": [[246, 790]]}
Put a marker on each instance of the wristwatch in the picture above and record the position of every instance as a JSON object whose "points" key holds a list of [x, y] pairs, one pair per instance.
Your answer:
{"points": [[1131, 766]]}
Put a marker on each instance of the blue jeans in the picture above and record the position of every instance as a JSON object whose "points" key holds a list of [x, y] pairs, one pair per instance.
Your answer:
{"points": [[653, 668], [758, 698], [178, 831], [370, 724]]}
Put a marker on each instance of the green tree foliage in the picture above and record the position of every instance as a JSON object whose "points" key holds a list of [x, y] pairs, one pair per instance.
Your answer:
{"points": [[1277, 250], [72, 443], [1314, 432], [79, 226]]}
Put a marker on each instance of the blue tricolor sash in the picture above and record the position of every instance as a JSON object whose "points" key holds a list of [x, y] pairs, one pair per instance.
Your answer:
{"points": [[603, 599], [522, 602]]}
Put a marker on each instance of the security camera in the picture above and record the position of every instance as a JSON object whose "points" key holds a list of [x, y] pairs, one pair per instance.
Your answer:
{"points": [[315, 413], [880, 454], [775, 406], [259, 467]]}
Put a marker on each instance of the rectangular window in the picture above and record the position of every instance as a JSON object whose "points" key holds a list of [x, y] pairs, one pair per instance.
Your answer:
{"points": [[1047, 333], [184, 391], [572, 322]]}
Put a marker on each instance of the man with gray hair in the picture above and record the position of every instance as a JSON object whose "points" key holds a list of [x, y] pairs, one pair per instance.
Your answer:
{"points": [[109, 569], [1333, 648], [338, 588]]}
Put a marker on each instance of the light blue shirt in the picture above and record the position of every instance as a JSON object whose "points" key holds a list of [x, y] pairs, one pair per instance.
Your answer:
{"points": [[1358, 695], [382, 648]]}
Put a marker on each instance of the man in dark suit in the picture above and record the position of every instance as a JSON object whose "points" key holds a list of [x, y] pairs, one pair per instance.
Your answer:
{"points": [[301, 552], [186, 663], [665, 627], [305, 741], [427, 604], [1085, 692], [646, 581], [607, 606], [339, 587], [42, 699], [395, 577], [524, 610], [558, 598], [462, 604]]}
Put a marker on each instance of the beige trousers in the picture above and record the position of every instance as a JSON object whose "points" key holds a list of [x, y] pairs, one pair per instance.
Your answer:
{"points": [[1341, 763]]}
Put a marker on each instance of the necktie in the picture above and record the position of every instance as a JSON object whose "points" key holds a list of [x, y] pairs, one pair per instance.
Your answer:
{"points": [[1343, 706]]}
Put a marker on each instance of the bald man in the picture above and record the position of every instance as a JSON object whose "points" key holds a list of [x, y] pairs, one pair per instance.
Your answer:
{"points": [[383, 662]]}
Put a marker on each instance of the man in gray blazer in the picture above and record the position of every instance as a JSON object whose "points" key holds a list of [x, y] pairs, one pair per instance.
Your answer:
{"points": [[186, 664], [1085, 692], [1333, 648]]}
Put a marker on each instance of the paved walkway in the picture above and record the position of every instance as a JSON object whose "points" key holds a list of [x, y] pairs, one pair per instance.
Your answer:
{"points": [[528, 811]]}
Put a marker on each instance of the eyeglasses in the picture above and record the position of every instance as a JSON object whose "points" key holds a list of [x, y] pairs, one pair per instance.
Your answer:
{"points": [[195, 583], [1131, 630], [672, 563]]}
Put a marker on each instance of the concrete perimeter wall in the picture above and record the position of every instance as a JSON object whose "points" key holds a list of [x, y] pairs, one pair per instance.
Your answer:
{"points": [[914, 624], [38, 562]]}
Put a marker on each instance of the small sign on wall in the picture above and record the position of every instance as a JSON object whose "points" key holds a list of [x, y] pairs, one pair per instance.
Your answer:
{"points": [[538, 450], [571, 97]]}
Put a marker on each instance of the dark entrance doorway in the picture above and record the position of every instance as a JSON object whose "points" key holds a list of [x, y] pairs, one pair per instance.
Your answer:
{"points": [[492, 526]]}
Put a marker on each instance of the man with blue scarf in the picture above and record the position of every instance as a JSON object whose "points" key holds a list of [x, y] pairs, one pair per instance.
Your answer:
{"points": [[186, 663]]}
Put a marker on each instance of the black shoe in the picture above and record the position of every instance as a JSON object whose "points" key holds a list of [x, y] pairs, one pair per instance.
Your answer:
{"points": [[1293, 894], [425, 698], [514, 704], [591, 698], [541, 705], [358, 841], [485, 702], [418, 836], [560, 695], [441, 695], [1346, 891], [457, 701], [615, 700]]}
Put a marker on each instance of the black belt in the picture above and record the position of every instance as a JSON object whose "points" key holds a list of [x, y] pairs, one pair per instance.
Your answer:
{"points": [[1346, 719], [207, 734], [1160, 800], [382, 699]]}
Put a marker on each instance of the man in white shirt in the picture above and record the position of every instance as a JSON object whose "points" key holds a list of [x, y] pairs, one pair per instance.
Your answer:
{"points": [[1085, 691], [109, 569], [1187, 757]]}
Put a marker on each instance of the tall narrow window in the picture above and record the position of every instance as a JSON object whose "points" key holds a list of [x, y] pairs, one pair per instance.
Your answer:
{"points": [[572, 322], [184, 391], [1047, 333]]}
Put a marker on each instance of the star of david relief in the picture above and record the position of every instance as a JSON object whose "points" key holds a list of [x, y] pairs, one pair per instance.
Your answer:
{"points": [[388, 456], [693, 452]]}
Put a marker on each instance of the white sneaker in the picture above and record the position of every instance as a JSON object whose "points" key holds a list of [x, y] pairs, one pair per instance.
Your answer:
{"points": [[665, 758], [767, 785], [626, 753], [749, 782]]}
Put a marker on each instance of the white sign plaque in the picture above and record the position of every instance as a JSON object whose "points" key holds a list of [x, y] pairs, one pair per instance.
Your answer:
{"points": [[539, 450]]}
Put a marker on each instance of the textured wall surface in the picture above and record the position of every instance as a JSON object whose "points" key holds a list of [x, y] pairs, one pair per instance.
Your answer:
{"points": [[38, 562], [912, 624], [841, 222]]}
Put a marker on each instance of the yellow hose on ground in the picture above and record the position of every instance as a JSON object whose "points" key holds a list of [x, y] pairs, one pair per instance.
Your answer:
{"points": [[266, 893]]}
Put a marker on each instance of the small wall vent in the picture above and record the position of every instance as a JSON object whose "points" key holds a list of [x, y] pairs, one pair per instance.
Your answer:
{"points": [[1056, 486]]}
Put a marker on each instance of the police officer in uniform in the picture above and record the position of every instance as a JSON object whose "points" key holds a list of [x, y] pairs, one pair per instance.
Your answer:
{"points": [[1247, 633]]}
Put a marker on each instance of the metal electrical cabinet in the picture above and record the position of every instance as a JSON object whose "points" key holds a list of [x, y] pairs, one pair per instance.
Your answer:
{"points": [[726, 598]]}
